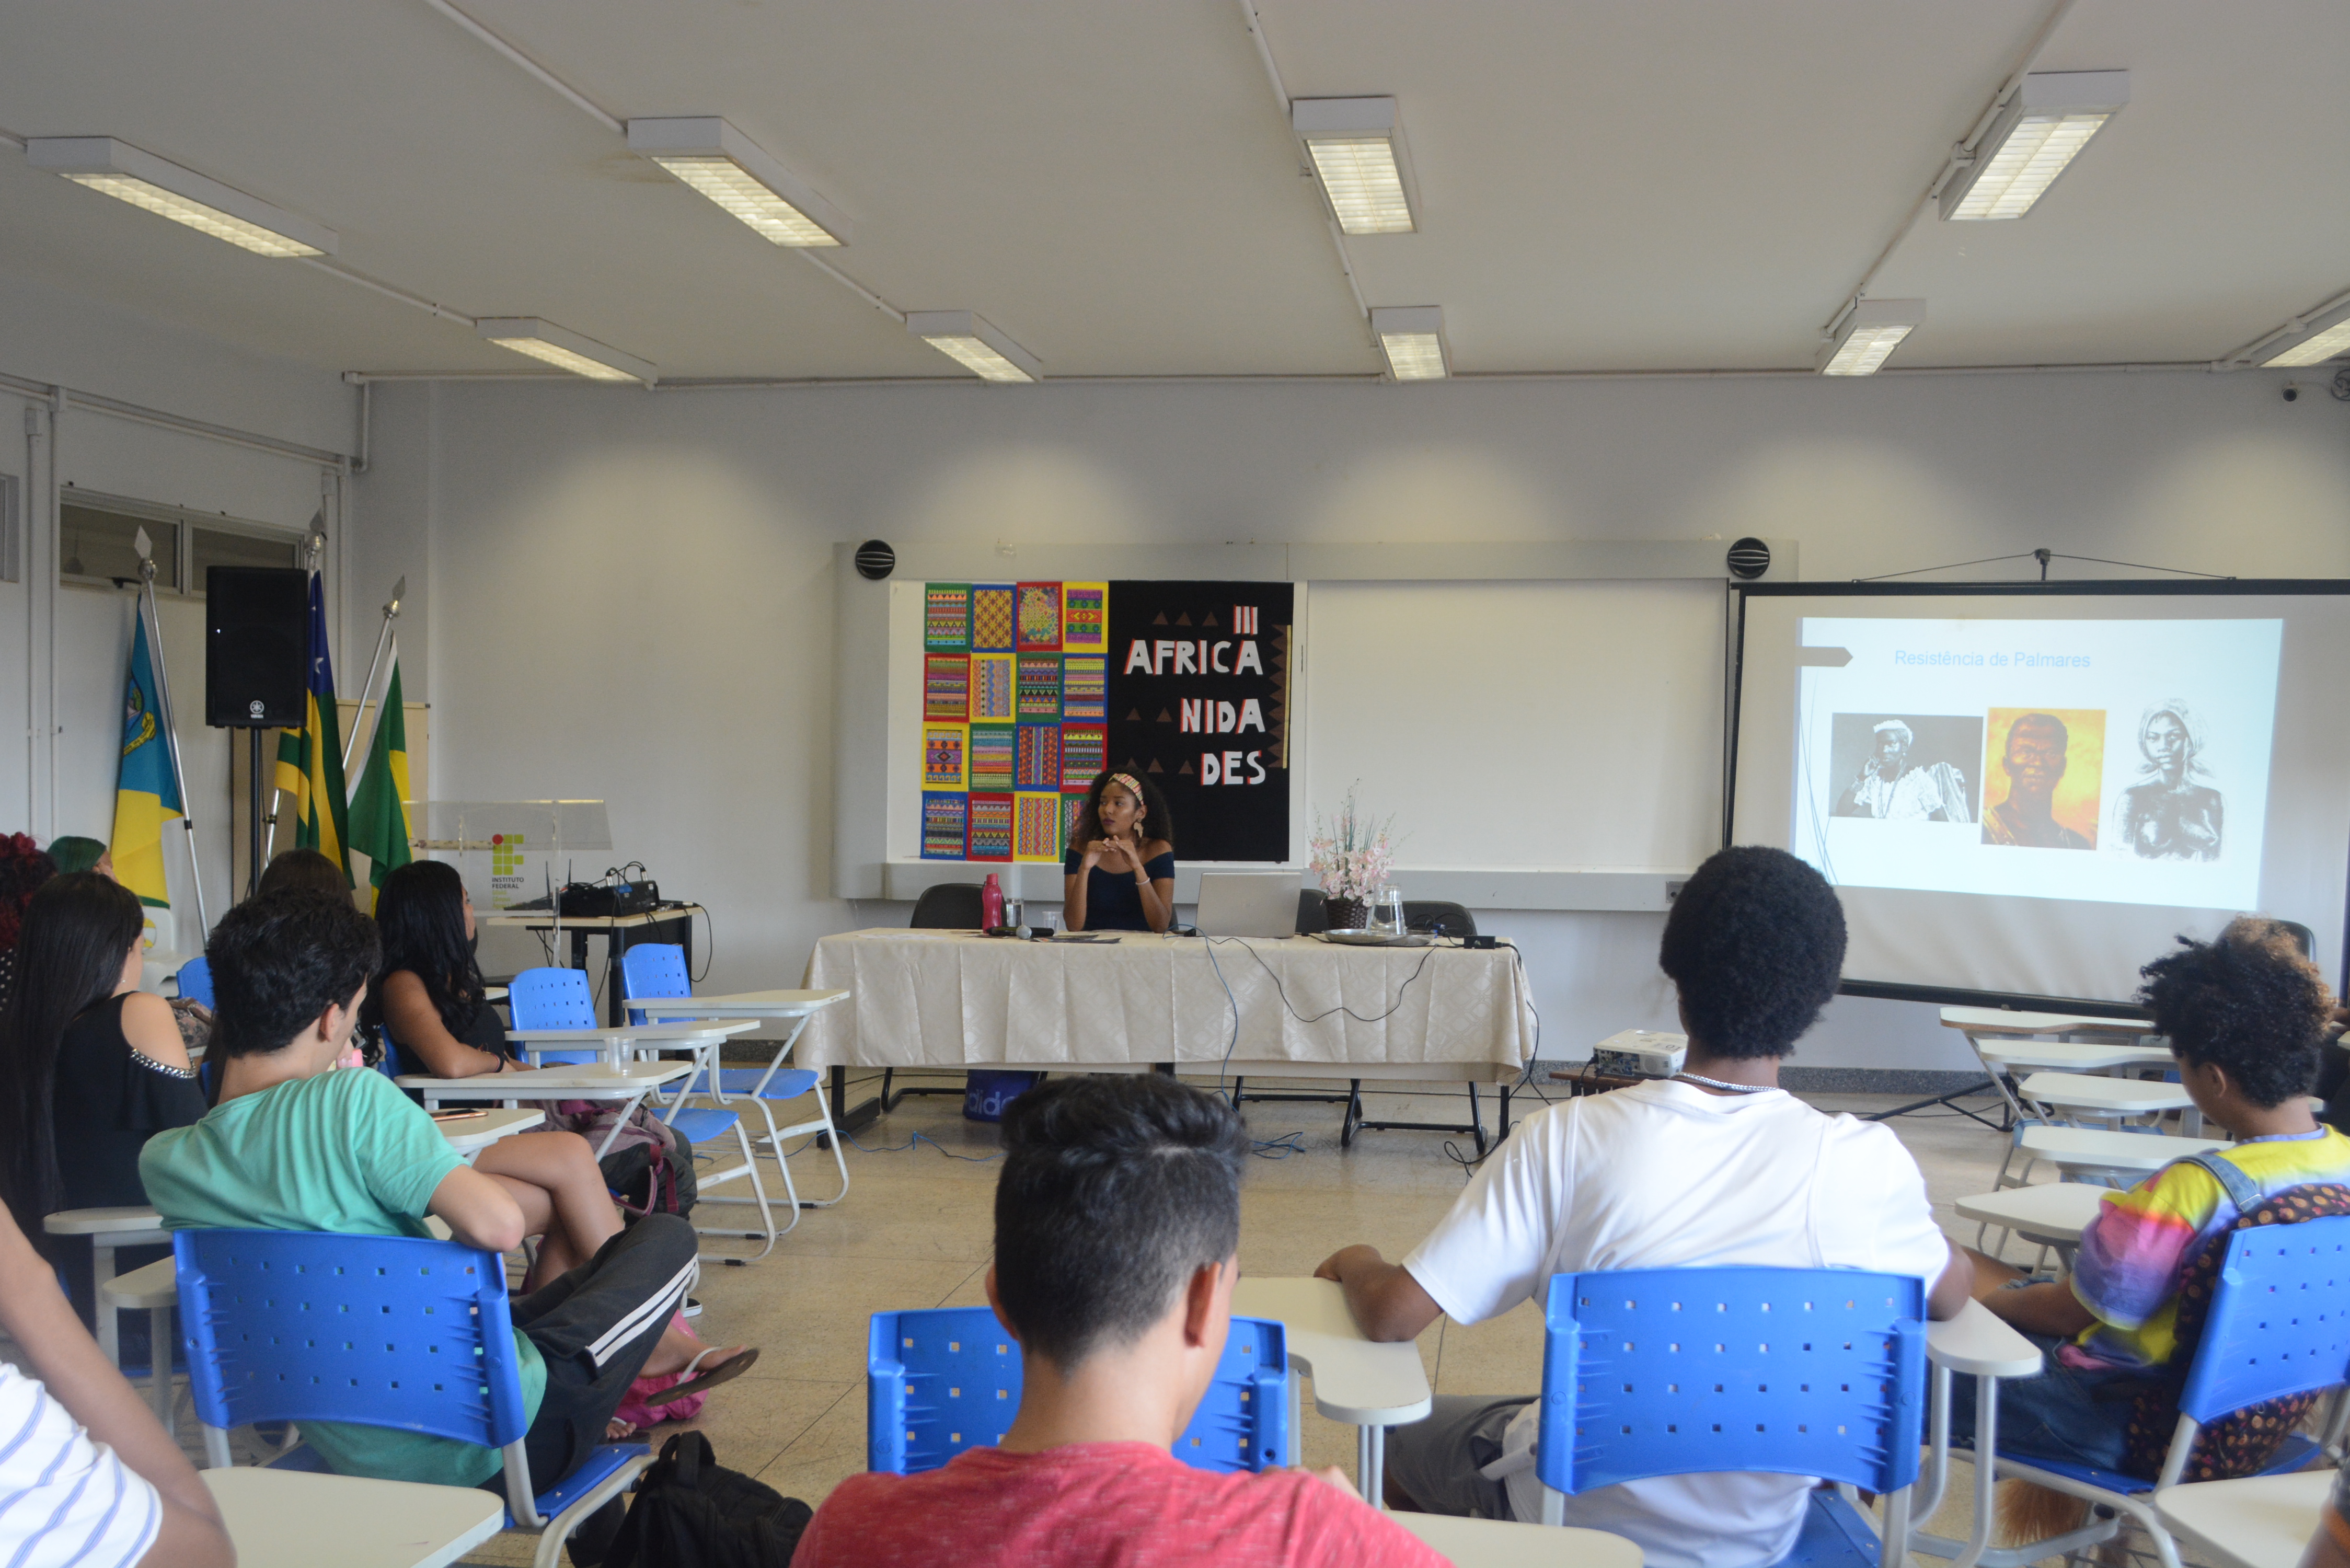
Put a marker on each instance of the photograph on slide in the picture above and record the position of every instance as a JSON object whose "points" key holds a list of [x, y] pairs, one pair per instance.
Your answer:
{"points": [[2107, 761]]}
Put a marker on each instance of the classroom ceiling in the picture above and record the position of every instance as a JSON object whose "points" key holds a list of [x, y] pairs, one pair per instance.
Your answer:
{"points": [[1603, 185]]}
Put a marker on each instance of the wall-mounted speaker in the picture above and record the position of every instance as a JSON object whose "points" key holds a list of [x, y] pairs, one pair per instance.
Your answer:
{"points": [[875, 560], [257, 646], [1748, 558]]}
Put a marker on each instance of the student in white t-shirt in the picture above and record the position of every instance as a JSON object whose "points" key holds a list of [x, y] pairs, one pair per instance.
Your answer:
{"points": [[87, 1477], [1719, 1167]]}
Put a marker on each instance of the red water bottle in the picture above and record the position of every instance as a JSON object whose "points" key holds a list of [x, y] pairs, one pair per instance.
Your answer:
{"points": [[990, 903]]}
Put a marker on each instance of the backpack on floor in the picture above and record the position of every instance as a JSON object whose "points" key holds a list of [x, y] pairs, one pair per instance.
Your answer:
{"points": [[691, 1511], [649, 1167], [2243, 1442]]}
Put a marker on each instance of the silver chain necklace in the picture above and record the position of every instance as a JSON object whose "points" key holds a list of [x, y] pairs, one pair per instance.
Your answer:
{"points": [[1728, 1088]]}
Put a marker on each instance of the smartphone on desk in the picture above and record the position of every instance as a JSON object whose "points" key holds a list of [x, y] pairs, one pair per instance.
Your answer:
{"points": [[455, 1115]]}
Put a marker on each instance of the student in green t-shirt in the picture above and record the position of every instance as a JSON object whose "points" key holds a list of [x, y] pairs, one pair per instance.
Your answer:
{"points": [[296, 1144]]}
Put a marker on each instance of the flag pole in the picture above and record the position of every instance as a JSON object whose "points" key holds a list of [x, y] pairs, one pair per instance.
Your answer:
{"points": [[390, 614], [171, 728]]}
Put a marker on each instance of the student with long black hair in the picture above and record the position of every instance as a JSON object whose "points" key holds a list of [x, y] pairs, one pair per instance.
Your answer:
{"points": [[435, 1012], [1119, 875], [94, 1068]]}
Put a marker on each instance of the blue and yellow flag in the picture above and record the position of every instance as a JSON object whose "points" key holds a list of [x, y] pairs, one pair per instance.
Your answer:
{"points": [[379, 828], [310, 760], [146, 791]]}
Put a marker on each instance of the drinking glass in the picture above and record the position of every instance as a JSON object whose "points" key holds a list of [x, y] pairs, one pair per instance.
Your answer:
{"points": [[1390, 906]]}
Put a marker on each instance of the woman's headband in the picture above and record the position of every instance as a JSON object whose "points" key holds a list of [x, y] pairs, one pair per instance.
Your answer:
{"points": [[1133, 787]]}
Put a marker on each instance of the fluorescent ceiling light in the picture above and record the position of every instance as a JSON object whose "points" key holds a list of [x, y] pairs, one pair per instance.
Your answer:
{"points": [[2034, 137], [975, 344], [1356, 145], [1872, 329], [1412, 337], [736, 172], [119, 170], [2318, 340], [565, 349]]}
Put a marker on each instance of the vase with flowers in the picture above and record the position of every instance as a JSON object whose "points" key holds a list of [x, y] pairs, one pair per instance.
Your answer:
{"points": [[1352, 855]]}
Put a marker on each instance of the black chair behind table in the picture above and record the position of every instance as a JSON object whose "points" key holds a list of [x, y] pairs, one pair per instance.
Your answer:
{"points": [[1434, 916], [943, 907], [1439, 919]]}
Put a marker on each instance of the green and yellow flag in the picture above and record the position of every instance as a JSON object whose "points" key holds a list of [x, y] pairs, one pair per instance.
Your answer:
{"points": [[310, 760], [146, 791], [379, 811]]}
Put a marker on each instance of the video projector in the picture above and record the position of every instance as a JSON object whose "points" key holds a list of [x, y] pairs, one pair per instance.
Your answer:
{"points": [[1639, 1053]]}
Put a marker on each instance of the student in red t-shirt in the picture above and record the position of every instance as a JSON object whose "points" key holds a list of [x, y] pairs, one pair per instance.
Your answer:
{"points": [[1117, 1222]]}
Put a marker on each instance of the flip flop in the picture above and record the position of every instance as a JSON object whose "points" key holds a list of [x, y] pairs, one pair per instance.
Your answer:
{"points": [[724, 1372]]}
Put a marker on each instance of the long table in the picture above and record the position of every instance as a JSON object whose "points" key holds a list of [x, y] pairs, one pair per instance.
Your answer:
{"points": [[1254, 1007]]}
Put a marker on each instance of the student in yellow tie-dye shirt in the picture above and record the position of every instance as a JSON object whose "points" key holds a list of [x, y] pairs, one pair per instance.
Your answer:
{"points": [[2246, 1017]]}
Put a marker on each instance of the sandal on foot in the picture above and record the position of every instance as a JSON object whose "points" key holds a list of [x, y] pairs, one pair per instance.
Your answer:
{"points": [[724, 1372]]}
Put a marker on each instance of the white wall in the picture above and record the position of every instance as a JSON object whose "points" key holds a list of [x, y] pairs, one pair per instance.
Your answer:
{"points": [[628, 592], [57, 338]]}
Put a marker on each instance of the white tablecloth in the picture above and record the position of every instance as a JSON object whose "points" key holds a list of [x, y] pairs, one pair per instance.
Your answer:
{"points": [[945, 999]]}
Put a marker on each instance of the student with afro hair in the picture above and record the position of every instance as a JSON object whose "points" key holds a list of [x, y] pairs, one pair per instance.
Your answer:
{"points": [[2245, 1015], [1717, 1167]]}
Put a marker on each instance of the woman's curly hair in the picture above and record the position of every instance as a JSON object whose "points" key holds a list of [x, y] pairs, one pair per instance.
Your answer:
{"points": [[24, 867], [2247, 1001], [1756, 942]]}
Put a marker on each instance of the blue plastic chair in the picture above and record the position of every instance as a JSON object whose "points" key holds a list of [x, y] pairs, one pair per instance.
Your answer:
{"points": [[1807, 1371], [386, 1330], [2279, 1325], [943, 1379], [559, 999], [656, 970], [195, 978]]}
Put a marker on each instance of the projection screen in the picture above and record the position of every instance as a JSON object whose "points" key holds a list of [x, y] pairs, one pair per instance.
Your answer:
{"points": [[2024, 791]]}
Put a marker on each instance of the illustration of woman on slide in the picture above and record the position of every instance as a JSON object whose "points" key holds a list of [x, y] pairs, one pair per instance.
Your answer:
{"points": [[2166, 815]]}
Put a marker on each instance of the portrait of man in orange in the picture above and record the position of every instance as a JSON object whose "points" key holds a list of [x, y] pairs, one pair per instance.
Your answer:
{"points": [[2045, 767]]}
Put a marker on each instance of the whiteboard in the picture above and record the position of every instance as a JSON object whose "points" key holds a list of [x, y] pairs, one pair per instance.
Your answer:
{"points": [[1521, 726]]}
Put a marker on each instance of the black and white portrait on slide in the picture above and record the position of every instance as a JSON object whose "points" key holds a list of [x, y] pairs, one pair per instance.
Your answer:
{"points": [[1896, 767], [2169, 813]]}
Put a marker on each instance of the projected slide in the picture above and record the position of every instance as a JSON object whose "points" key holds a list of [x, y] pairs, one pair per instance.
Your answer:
{"points": [[2108, 761]]}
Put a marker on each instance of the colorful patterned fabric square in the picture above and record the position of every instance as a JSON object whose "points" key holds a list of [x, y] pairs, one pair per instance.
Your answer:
{"points": [[946, 617], [991, 827], [1085, 751], [990, 687], [1084, 688], [1084, 618], [1039, 764], [944, 749], [1040, 617], [1072, 807], [994, 752], [1040, 687], [943, 819], [1036, 828], [991, 617], [946, 687]]}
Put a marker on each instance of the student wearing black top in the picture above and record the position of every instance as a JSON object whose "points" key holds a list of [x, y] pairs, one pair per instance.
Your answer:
{"points": [[1119, 875], [23, 868], [434, 1010], [95, 1068]]}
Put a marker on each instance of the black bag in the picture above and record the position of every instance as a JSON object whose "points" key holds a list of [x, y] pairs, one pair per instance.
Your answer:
{"points": [[692, 1512]]}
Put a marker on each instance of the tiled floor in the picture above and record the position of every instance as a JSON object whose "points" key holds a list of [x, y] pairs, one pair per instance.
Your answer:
{"points": [[914, 1232]]}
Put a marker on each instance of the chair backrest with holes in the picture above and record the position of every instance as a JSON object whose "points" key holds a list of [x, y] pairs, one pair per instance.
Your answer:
{"points": [[2279, 1322], [1439, 917], [654, 969], [195, 978], [1658, 1372], [552, 999], [385, 1331], [942, 1380]]}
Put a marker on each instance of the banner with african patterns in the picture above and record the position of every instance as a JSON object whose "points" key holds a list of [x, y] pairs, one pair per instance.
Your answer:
{"points": [[1031, 690]]}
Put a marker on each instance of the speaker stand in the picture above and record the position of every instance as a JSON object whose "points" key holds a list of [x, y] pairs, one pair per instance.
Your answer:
{"points": [[253, 815]]}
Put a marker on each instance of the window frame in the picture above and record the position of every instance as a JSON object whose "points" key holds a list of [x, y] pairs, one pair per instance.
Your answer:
{"points": [[181, 521]]}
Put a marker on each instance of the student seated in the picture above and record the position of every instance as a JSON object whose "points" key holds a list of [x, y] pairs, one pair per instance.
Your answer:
{"points": [[87, 1476], [2245, 1015], [95, 1068], [303, 871], [433, 1011], [1116, 1223], [296, 1145], [1718, 1166], [23, 869]]}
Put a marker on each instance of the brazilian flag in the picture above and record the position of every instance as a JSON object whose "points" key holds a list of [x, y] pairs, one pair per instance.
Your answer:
{"points": [[146, 791], [310, 759], [379, 811]]}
